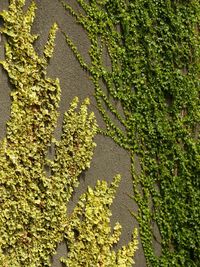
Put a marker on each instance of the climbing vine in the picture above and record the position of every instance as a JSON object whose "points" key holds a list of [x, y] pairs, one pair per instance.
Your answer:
{"points": [[34, 189], [154, 51], [88, 230], [33, 202]]}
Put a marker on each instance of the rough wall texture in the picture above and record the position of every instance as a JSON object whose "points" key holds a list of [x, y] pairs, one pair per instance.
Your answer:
{"points": [[108, 159]]}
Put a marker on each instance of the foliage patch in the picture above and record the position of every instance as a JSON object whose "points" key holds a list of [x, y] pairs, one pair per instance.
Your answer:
{"points": [[89, 237], [154, 49], [33, 203], [33, 210]]}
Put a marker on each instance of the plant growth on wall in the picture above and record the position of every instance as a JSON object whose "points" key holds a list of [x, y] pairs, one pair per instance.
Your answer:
{"points": [[88, 234], [154, 51], [33, 203], [34, 189]]}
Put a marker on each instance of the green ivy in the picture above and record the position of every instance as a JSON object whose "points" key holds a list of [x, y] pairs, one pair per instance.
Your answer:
{"points": [[89, 237], [33, 202], [154, 49]]}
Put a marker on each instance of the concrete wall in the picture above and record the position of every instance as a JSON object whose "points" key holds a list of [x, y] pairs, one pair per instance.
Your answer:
{"points": [[109, 159]]}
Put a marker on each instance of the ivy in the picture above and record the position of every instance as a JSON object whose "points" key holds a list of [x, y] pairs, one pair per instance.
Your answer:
{"points": [[35, 190], [154, 52], [88, 230], [33, 202]]}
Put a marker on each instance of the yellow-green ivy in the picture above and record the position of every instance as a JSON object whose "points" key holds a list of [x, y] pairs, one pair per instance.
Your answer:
{"points": [[34, 189], [89, 237], [32, 202]]}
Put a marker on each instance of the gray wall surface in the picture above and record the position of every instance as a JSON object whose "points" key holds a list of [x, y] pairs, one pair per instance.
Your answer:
{"points": [[109, 159]]}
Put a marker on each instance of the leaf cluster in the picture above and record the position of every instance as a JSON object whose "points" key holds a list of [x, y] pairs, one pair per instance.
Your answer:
{"points": [[89, 237]]}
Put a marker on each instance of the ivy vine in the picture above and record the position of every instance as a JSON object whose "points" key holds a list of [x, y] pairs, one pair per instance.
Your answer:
{"points": [[33, 210], [33, 204], [154, 49], [88, 230]]}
